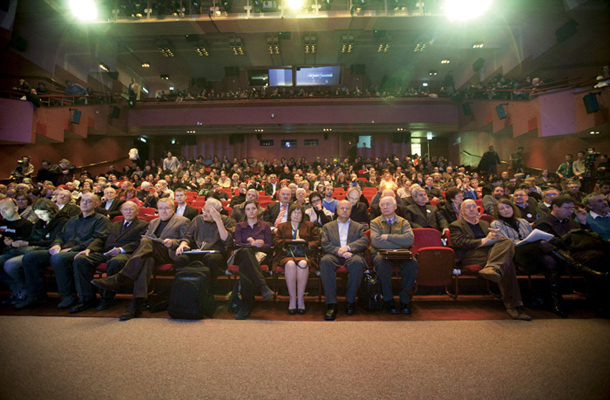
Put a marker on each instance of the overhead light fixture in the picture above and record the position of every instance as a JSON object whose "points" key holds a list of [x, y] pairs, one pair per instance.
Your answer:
{"points": [[84, 10], [429, 135], [237, 45], [310, 43], [258, 130], [419, 47], [144, 90], [273, 44], [104, 67], [433, 72], [424, 84], [327, 130], [166, 48], [294, 5], [594, 132], [171, 88], [145, 65], [466, 10], [400, 129], [190, 131], [477, 45], [165, 77], [347, 43], [445, 61], [383, 41]]}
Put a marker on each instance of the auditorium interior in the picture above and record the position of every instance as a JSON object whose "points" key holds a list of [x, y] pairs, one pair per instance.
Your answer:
{"points": [[319, 80]]}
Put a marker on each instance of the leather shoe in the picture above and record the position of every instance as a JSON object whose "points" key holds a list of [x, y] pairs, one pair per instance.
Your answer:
{"points": [[292, 311], [301, 311], [405, 308], [518, 314], [82, 306], [267, 293], [112, 283], [491, 274], [390, 307], [331, 313], [67, 302], [104, 304], [133, 311], [243, 313], [350, 308]]}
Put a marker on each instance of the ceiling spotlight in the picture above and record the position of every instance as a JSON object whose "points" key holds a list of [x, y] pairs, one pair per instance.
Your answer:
{"points": [[327, 129], [445, 61], [594, 132], [104, 67], [433, 72], [165, 77], [85, 10], [466, 10], [294, 5], [477, 45], [347, 43], [145, 65]]}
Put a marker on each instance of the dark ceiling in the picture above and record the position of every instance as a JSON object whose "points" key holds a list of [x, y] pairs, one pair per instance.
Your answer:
{"points": [[519, 38]]}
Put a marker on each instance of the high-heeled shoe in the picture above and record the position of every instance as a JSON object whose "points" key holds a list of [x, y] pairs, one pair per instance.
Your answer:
{"points": [[301, 310], [292, 311]]}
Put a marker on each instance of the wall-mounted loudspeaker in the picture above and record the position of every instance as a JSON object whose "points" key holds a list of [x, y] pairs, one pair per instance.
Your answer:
{"points": [[500, 111], [566, 31], [116, 112], [478, 64], [75, 116], [591, 103], [467, 109]]}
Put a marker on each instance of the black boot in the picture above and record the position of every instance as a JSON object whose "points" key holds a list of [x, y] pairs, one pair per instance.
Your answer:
{"points": [[566, 259], [134, 310], [553, 279]]}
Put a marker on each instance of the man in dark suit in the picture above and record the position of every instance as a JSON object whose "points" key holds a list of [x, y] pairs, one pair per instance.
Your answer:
{"points": [[123, 239], [278, 212], [432, 191], [360, 212], [111, 206], [343, 242], [424, 215], [183, 209], [158, 246], [475, 242], [63, 199], [272, 185]]}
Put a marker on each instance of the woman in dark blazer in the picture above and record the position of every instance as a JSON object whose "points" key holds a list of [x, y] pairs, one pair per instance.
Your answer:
{"points": [[296, 268]]}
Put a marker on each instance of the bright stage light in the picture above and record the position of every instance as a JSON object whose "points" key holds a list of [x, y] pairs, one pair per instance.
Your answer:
{"points": [[465, 10], [295, 4], [85, 10]]}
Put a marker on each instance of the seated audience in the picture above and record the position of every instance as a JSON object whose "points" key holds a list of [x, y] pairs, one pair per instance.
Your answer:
{"points": [[390, 231], [475, 243], [343, 242], [296, 267]]}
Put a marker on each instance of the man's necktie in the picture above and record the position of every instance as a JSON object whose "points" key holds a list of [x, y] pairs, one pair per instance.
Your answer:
{"points": [[125, 226], [278, 220]]}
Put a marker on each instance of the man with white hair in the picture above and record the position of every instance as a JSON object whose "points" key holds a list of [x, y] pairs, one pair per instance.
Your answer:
{"points": [[63, 199], [208, 231], [114, 250], [158, 246], [390, 231], [111, 206], [475, 243]]}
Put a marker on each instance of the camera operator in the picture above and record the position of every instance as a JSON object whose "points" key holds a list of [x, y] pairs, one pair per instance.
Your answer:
{"points": [[582, 167], [603, 168]]}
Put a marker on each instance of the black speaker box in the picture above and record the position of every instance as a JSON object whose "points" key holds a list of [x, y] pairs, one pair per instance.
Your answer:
{"points": [[75, 117], [467, 109], [478, 64], [116, 112], [398, 137], [591, 103], [566, 31], [500, 111]]}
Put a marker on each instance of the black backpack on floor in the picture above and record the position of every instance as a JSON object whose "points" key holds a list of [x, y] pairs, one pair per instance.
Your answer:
{"points": [[370, 296], [190, 297]]}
